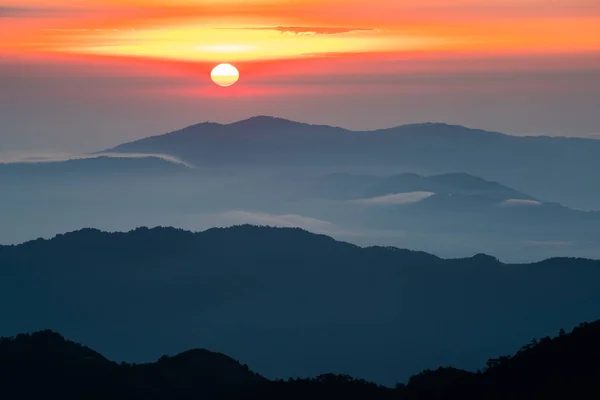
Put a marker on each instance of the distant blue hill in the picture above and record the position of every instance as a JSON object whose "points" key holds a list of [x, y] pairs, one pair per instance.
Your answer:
{"points": [[348, 186], [101, 165], [554, 168]]}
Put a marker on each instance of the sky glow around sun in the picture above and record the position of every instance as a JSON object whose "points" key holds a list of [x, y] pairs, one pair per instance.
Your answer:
{"points": [[325, 61]]}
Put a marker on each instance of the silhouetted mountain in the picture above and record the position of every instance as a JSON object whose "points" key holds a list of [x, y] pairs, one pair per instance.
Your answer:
{"points": [[34, 366], [289, 302], [554, 168], [561, 367], [45, 364], [47, 346], [200, 141]]}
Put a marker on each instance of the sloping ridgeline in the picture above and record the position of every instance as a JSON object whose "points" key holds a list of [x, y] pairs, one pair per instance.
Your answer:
{"points": [[44, 364], [552, 168]]}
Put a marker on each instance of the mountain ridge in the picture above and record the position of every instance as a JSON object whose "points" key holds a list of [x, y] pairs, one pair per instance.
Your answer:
{"points": [[257, 230], [522, 162], [272, 122], [236, 291], [564, 365]]}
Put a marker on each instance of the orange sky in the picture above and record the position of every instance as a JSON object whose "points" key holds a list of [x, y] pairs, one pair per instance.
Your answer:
{"points": [[241, 30], [377, 48]]}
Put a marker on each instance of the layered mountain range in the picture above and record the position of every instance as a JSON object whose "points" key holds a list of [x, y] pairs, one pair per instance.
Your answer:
{"points": [[287, 302], [448, 190], [553, 168], [563, 366]]}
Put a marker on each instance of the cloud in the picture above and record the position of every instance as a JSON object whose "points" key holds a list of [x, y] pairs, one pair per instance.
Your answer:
{"points": [[15, 12], [165, 157], [237, 217], [394, 199], [310, 30], [32, 12], [13, 158], [520, 202]]}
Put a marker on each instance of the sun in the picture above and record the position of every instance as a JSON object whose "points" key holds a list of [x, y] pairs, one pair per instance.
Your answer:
{"points": [[225, 75]]}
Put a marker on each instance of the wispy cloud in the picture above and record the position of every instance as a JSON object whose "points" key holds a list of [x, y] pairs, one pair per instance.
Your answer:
{"points": [[394, 199], [19, 157], [39, 12], [165, 157], [10, 11], [520, 202], [17, 12], [310, 30]]}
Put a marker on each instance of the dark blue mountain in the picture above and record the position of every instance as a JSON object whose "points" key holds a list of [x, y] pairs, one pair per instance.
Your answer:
{"points": [[287, 302], [564, 366]]}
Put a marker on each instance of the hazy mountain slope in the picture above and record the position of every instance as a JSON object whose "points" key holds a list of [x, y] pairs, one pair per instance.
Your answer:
{"points": [[351, 187], [457, 204], [268, 141], [452, 215], [84, 173], [553, 168], [90, 166], [288, 302], [258, 140]]}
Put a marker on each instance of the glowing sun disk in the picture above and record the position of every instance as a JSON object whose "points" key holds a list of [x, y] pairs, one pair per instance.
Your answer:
{"points": [[225, 75]]}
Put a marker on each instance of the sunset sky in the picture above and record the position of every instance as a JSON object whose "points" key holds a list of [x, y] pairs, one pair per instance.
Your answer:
{"points": [[83, 74]]}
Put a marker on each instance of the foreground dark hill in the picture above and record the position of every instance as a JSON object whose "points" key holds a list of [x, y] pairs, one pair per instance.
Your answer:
{"points": [[553, 168], [549, 368], [64, 369], [565, 366], [287, 302]]}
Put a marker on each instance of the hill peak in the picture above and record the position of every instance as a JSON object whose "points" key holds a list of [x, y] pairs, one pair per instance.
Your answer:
{"points": [[264, 119], [483, 259], [266, 122], [45, 344], [210, 143]]}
